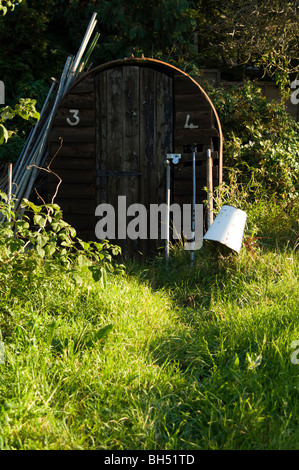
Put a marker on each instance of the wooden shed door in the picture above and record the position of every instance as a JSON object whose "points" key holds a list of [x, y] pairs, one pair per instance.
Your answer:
{"points": [[134, 126]]}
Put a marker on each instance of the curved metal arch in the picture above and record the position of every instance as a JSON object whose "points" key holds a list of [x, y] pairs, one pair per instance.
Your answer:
{"points": [[166, 68]]}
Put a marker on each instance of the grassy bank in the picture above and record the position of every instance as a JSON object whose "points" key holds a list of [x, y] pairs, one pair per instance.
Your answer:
{"points": [[185, 358]]}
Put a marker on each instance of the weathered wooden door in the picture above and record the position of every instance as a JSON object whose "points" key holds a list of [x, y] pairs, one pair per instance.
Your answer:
{"points": [[117, 125], [134, 126]]}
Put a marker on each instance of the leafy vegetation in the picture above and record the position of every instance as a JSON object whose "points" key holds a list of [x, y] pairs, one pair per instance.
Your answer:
{"points": [[104, 356], [6, 5], [236, 38], [24, 109], [256, 41], [262, 36], [144, 357], [261, 146], [41, 234], [153, 358]]}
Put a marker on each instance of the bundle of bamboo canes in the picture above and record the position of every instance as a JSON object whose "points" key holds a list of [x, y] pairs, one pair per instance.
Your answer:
{"points": [[21, 178]]}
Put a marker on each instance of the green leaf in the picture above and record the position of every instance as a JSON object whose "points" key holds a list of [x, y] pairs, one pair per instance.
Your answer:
{"points": [[83, 261], [50, 250], [236, 362], [4, 196], [14, 244], [40, 251], [73, 232], [7, 113], [22, 226], [31, 205], [103, 332], [66, 242], [99, 246], [254, 362], [54, 207], [42, 240], [4, 136], [85, 245], [96, 272], [26, 109], [39, 219], [56, 226], [77, 277]]}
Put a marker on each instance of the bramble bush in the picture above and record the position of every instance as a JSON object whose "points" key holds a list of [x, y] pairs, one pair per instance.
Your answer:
{"points": [[38, 237], [261, 142], [261, 163]]}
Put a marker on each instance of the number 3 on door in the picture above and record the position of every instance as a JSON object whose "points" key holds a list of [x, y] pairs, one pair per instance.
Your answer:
{"points": [[75, 116]]}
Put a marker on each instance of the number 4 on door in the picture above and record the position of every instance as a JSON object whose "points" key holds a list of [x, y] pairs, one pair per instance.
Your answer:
{"points": [[188, 124]]}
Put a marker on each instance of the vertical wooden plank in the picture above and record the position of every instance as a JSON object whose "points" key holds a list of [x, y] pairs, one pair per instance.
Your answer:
{"points": [[115, 118], [114, 136], [163, 142], [131, 118], [130, 158], [163, 132], [130, 121], [147, 142], [101, 135]]}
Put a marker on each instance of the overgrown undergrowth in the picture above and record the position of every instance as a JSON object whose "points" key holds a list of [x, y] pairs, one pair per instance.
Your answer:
{"points": [[154, 358]]}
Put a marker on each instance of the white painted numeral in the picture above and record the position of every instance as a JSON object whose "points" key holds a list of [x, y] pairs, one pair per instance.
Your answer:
{"points": [[189, 125], [75, 116]]}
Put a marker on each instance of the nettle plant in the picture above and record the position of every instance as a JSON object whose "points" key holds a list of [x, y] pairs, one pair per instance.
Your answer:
{"points": [[38, 236]]}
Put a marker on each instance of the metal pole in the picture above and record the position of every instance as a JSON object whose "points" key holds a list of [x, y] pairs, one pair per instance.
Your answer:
{"points": [[85, 40], [167, 211], [210, 187], [37, 152], [88, 53], [23, 155], [82, 48], [193, 204]]}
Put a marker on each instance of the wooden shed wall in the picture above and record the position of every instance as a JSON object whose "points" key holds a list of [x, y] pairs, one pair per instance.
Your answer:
{"points": [[75, 161], [117, 124]]}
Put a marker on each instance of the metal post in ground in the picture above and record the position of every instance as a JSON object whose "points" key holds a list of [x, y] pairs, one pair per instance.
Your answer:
{"points": [[210, 188], [167, 163], [193, 202], [173, 158]]}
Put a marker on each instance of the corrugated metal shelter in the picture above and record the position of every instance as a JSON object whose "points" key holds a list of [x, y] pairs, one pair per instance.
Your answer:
{"points": [[118, 122]]}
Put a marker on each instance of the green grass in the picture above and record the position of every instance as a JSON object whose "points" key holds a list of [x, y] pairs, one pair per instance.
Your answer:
{"points": [[192, 357]]}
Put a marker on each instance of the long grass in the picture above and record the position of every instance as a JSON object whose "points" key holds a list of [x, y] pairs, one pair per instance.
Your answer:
{"points": [[158, 359]]}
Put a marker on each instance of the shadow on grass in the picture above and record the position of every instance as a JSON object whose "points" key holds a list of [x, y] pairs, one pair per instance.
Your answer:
{"points": [[191, 289], [210, 297]]}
